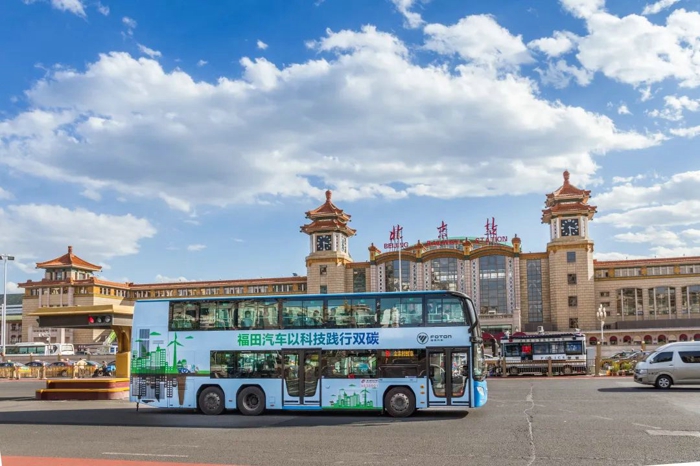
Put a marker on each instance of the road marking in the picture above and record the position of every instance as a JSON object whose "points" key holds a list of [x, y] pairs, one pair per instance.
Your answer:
{"points": [[603, 417], [675, 433], [644, 425], [142, 454]]}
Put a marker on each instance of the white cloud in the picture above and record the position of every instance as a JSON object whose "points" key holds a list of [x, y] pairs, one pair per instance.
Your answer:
{"points": [[261, 45], [130, 25], [686, 132], [103, 9], [623, 110], [363, 118], [635, 51], [627, 179], [616, 256], [164, 279], [12, 288], [674, 107], [150, 52], [561, 43], [94, 236], [658, 6], [559, 74], [679, 187], [583, 8], [202, 62], [479, 39], [195, 247], [92, 194], [413, 19], [658, 236], [72, 6], [5, 194]]}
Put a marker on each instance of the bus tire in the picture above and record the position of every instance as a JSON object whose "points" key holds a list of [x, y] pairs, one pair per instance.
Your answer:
{"points": [[513, 370], [568, 370], [211, 401], [251, 401], [400, 402]]}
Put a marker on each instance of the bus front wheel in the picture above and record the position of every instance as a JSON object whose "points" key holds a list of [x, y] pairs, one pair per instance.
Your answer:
{"points": [[211, 401], [251, 401], [400, 402]]}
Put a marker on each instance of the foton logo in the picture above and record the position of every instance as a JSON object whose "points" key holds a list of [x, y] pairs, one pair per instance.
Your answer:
{"points": [[422, 338]]}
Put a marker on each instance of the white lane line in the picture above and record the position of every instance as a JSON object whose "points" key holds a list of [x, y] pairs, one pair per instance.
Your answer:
{"points": [[142, 454], [603, 417], [675, 433], [644, 425]]}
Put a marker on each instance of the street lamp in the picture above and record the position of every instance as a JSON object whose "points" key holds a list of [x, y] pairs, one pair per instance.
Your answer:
{"points": [[4, 258], [601, 314]]}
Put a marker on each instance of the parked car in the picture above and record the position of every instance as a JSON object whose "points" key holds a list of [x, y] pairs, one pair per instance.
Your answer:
{"points": [[64, 365], [21, 367], [622, 357], [37, 363]]}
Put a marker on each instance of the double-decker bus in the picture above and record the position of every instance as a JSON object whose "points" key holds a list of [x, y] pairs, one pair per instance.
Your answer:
{"points": [[532, 353], [396, 352]]}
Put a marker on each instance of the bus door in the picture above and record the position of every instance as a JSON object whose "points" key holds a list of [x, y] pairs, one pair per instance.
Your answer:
{"points": [[301, 378], [448, 376]]}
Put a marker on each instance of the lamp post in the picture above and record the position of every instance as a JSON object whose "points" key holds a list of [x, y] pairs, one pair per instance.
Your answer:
{"points": [[601, 315], [4, 258]]}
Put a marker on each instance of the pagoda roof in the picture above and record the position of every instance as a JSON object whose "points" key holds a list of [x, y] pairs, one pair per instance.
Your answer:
{"points": [[68, 260], [567, 190], [327, 209], [327, 217]]}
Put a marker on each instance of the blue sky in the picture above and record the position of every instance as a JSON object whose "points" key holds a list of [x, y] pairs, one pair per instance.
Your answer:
{"points": [[185, 140]]}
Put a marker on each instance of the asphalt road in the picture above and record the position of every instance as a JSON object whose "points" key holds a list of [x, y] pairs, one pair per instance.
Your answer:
{"points": [[527, 421]]}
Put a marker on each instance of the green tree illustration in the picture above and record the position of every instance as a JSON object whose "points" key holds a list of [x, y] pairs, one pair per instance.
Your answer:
{"points": [[175, 344]]}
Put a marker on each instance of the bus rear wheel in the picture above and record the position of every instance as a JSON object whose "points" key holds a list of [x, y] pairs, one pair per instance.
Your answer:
{"points": [[568, 370], [251, 401], [400, 402], [211, 401]]}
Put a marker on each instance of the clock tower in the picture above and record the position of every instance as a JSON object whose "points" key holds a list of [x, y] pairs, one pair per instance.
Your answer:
{"points": [[329, 251], [570, 253]]}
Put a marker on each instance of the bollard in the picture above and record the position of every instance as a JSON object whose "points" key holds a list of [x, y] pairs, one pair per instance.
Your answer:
{"points": [[549, 367], [598, 359], [504, 367], [42, 372]]}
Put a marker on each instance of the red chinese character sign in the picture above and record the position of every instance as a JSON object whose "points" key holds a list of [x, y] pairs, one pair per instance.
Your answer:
{"points": [[442, 231], [491, 233], [396, 238]]}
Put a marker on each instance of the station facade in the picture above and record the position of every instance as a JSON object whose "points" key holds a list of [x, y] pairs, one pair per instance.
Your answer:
{"points": [[559, 289]]}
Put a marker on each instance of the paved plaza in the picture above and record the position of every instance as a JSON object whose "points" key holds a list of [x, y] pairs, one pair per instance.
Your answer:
{"points": [[527, 421]]}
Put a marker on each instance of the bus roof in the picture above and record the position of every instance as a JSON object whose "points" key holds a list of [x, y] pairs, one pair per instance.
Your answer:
{"points": [[306, 296]]}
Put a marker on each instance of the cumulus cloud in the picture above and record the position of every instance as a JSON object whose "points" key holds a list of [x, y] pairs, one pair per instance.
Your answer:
{"points": [[674, 107], [658, 6], [195, 247], [413, 19], [623, 110], [560, 43], [479, 39], [12, 288], [635, 51], [559, 74], [5, 194], [686, 132], [362, 118], [677, 188], [108, 236], [261, 45], [202, 63], [148, 51], [164, 279]]}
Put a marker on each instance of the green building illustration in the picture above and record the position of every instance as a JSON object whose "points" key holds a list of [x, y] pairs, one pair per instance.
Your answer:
{"points": [[352, 400]]}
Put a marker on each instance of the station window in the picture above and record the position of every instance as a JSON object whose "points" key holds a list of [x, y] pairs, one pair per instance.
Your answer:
{"points": [[571, 278], [571, 256]]}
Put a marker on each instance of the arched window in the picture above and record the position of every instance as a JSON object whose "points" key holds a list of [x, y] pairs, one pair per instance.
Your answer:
{"points": [[444, 274], [683, 337], [648, 339], [493, 287], [661, 339], [696, 337], [592, 341], [613, 340], [627, 339]]}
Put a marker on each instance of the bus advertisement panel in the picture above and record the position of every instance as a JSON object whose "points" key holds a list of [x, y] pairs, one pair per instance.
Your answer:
{"points": [[396, 352]]}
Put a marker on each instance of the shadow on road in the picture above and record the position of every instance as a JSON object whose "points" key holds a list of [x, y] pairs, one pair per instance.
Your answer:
{"points": [[650, 388], [152, 417]]}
